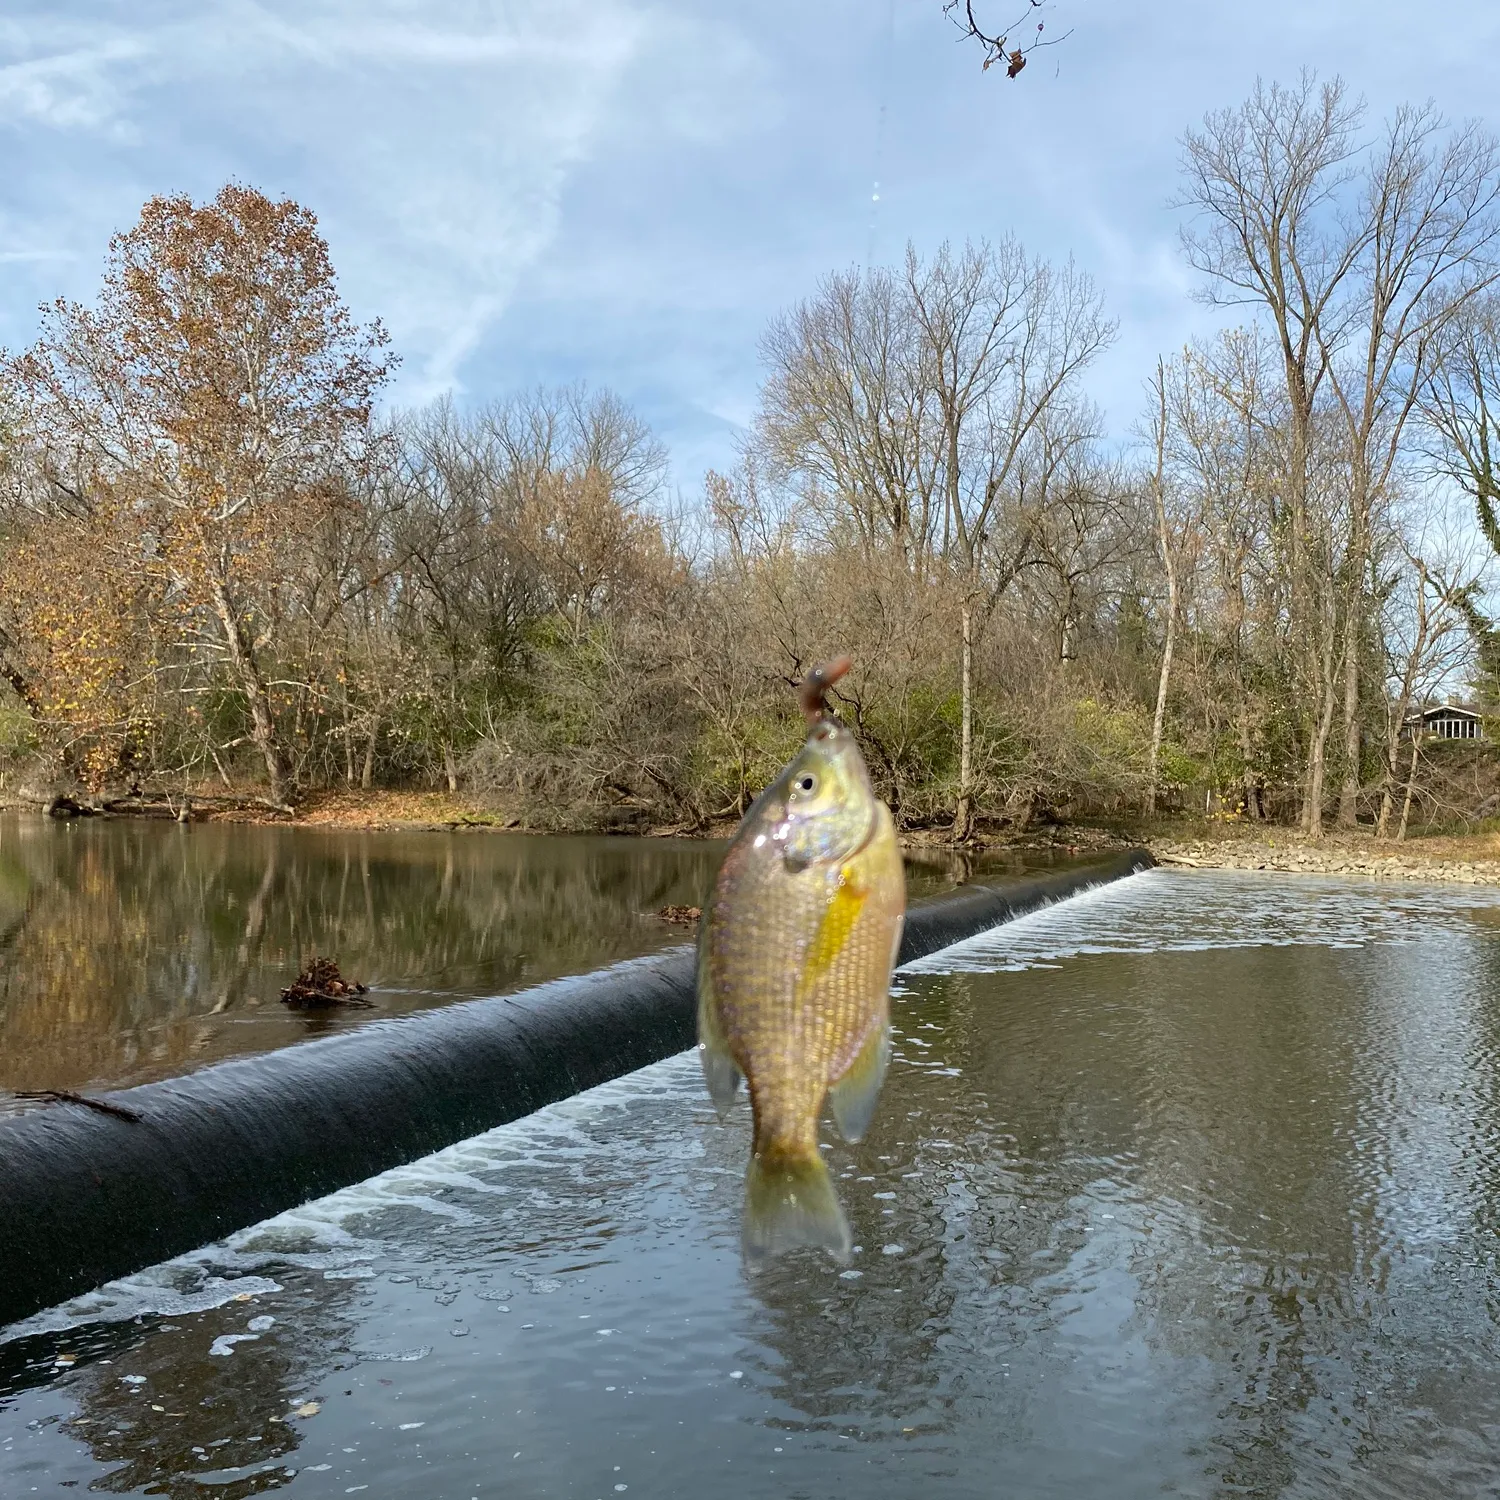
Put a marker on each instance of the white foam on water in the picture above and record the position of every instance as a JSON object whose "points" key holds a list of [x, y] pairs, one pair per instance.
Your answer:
{"points": [[1162, 911], [176, 1288], [224, 1344], [564, 1143]]}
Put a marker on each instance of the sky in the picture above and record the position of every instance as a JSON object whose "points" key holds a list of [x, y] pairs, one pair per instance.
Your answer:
{"points": [[624, 192]]}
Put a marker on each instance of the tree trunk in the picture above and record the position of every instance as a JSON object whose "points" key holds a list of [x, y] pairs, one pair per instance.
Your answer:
{"points": [[1411, 782], [963, 816], [1249, 786], [20, 684], [1161, 688], [1397, 718], [262, 721], [1349, 791], [1317, 757], [1387, 802], [450, 766], [367, 771], [1164, 541]]}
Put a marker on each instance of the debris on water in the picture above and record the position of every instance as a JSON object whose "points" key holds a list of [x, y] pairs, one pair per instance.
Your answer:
{"points": [[320, 984], [682, 914], [67, 1096], [260, 1324], [225, 1343], [308, 1409]]}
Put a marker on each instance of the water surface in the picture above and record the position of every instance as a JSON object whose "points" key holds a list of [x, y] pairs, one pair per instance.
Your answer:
{"points": [[134, 950], [1187, 1187]]}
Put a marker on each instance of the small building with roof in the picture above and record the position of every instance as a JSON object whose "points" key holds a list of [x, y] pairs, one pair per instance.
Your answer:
{"points": [[1445, 721]]}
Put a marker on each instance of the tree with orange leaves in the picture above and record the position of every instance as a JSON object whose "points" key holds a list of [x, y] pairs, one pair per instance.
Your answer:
{"points": [[214, 401]]}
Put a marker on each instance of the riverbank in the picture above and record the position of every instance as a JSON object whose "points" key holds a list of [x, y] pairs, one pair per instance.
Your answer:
{"points": [[1472, 859]]}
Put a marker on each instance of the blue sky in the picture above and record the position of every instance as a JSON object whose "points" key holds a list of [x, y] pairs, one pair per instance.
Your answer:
{"points": [[623, 192]]}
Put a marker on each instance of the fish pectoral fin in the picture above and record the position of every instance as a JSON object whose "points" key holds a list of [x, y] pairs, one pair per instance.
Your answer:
{"points": [[720, 1071], [854, 1095], [722, 1075]]}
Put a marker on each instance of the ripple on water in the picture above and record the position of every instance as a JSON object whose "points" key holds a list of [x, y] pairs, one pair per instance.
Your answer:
{"points": [[1188, 1185]]}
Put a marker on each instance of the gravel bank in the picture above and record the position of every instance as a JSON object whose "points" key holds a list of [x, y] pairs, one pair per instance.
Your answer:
{"points": [[1379, 862]]}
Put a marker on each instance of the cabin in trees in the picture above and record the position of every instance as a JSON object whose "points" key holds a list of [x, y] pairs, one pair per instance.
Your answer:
{"points": [[1445, 721]]}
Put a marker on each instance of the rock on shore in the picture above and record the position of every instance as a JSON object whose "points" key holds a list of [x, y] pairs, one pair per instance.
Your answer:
{"points": [[1295, 857]]}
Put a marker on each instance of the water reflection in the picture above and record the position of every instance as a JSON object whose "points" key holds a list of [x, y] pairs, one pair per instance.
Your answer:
{"points": [[132, 951], [1183, 1189], [216, 1403]]}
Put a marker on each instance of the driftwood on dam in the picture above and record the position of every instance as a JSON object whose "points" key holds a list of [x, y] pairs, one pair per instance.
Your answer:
{"points": [[320, 985]]}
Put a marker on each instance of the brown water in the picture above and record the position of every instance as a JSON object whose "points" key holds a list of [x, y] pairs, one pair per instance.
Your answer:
{"points": [[131, 950], [1187, 1187]]}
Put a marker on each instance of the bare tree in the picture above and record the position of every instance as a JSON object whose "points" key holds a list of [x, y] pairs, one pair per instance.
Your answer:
{"points": [[1264, 182], [1010, 46], [1425, 643], [1003, 339], [1168, 545], [1426, 231], [913, 408], [1358, 256]]}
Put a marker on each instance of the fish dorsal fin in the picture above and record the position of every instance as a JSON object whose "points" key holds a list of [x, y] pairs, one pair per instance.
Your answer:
{"points": [[720, 1071], [853, 1096]]}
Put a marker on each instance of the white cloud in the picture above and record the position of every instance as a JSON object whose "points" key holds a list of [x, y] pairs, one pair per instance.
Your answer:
{"points": [[69, 89], [624, 191], [435, 140]]}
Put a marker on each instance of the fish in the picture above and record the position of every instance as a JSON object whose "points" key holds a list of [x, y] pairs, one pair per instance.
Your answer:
{"points": [[796, 946]]}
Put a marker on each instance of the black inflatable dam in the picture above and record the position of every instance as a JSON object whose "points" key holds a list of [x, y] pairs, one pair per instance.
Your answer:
{"points": [[87, 1197]]}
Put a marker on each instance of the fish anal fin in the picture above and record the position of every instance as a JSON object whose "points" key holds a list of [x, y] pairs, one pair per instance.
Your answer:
{"points": [[854, 1096], [791, 1203]]}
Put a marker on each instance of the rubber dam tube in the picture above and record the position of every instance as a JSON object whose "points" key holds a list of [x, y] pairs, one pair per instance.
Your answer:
{"points": [[86, 1197]]}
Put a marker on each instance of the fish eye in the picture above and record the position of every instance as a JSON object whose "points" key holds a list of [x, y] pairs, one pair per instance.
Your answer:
{"points": [[807, 783]]}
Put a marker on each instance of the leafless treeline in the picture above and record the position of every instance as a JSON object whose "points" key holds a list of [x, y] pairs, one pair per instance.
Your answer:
{"points": [[1237, 610]]}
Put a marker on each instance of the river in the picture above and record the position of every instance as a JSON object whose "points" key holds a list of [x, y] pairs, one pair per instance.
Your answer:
{"points": [[1187, 1186], [131, 950]]}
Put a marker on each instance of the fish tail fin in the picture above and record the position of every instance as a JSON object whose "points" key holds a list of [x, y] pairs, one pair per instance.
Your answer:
{"points": [[791, 1201]]}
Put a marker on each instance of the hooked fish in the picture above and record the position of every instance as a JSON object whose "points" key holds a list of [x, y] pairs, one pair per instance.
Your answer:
{"points": [[795, 952]]}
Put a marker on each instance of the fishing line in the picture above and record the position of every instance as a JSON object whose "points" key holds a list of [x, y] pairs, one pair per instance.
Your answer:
{"points": [[883, 95]]}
